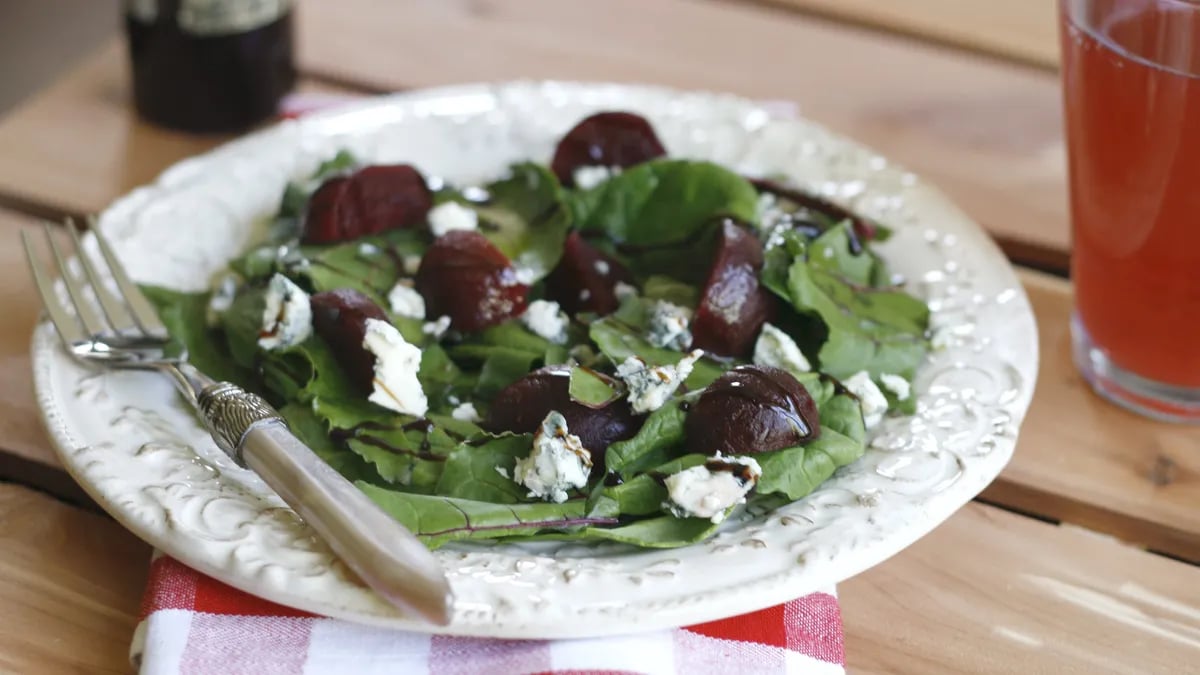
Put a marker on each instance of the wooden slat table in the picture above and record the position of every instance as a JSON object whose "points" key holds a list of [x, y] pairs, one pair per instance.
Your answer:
{"points": [[994, 589]]}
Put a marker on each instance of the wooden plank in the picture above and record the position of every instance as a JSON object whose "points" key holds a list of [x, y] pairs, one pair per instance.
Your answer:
{"points": [[1083, 460], [988, 133], [994, 592], [78, 145], [1025, 30], [25, 451], [70, 586]]}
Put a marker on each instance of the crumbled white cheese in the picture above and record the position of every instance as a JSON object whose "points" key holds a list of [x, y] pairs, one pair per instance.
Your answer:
{"points": [[367, 249], [412, 263], [406, 301], [502, 471], [874, 403], [602, 267], [436, 328], [558, 462], [777, 349], [897, 385], [544, 318], [466, 412], [588, 177], [707, 491], [451, 216], [287, 316], [223, 293], [668, 326], [650, 387], [524, 275], [584, 295], [474, 193], [395, 386], [623, 290]]}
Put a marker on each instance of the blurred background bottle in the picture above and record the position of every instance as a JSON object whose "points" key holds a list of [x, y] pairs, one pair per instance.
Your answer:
{"points": [[209, 65]]}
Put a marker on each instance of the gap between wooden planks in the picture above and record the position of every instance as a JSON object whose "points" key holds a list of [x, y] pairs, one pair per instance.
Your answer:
{"points": [[1024, 30]]}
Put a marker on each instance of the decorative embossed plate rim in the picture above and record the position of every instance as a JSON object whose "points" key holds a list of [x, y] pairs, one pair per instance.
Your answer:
{"points": [[137, 450]]}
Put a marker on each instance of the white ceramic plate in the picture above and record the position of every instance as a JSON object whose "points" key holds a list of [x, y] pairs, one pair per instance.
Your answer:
{"points": [[131, 442]]}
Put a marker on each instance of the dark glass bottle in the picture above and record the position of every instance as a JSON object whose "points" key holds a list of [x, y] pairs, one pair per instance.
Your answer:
{"points": [[210, 65]]}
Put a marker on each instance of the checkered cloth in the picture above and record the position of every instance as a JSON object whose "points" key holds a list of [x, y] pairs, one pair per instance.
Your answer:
{"points": [[193, 624]]}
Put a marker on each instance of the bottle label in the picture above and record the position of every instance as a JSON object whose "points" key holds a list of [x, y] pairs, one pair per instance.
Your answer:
{"points": [[213, 17]]}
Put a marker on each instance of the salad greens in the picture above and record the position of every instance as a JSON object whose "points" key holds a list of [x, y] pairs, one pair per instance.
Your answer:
{"points": [[450, 474]]}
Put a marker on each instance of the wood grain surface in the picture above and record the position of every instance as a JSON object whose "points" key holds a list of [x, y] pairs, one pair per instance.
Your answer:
{"points": [[1083, 460], [70, 586], [994, 592], [78, 145], [1023, 30], [986, 132], [25, 451]]}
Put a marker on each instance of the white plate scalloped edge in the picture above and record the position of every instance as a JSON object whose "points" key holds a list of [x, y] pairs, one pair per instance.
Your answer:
{"points": [[138, 451]]}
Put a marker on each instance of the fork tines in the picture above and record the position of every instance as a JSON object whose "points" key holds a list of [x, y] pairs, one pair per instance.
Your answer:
{"points": [[78, 321]]}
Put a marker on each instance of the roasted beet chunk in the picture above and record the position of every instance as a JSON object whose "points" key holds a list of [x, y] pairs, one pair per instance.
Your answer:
{"points": [[372, 200], [734, 305], [521, 406], [340, 318], [751, 409], [465, 277], [605, 139], [585, 278]]}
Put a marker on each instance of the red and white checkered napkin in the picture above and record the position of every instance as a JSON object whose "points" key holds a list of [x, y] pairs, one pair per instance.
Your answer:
{"points": [[194, 624]]}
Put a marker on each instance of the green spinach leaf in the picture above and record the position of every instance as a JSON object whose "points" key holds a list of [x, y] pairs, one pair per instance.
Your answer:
{"points": [[437, 520], [483, 471]]}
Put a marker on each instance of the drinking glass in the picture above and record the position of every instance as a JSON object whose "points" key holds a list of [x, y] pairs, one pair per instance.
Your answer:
{"points": [[1131, 89]]}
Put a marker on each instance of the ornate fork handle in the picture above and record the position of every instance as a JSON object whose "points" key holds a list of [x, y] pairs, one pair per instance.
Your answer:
{"points": [[230, 413]]}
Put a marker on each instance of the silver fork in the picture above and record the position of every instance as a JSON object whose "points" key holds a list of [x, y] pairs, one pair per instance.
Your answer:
{"points": [[126, 333]]}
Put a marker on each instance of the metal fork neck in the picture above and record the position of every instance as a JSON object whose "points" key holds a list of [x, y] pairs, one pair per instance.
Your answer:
{"points": [[189, 381]]}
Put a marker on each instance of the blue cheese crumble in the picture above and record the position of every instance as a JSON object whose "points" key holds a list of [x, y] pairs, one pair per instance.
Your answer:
{"points": [[451, 216], [588, 177], [286, 317], [405, 301], [395, 385], [709, 490], [466, 412], [436, 329], [544, 318], [777, 349], [558, 462], [651, 386], [874, 403], [668, 326], [897, 385]]}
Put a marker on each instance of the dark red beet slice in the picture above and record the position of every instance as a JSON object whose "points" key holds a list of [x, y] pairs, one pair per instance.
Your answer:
{"points": [[751, 409], [521, 406], [864, 228], [733, 305], [584, 279], [372, 200], [340, 319], [605, 139], [464, 276]]}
